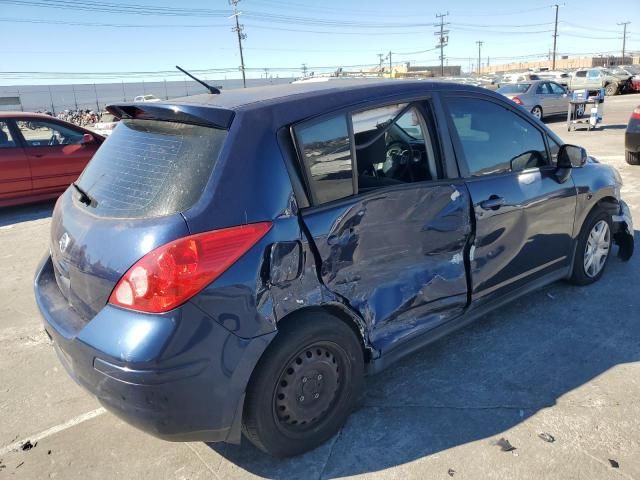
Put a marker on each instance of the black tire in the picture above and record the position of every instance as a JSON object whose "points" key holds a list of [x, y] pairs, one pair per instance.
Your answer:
{"points": [[579, 275], [611, 89], [632, 158], [539, 109], [316, 355]]}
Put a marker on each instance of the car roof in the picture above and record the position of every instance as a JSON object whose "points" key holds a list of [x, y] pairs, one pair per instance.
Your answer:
{"points": [[288, 103], [347, 89], [8, 114]]}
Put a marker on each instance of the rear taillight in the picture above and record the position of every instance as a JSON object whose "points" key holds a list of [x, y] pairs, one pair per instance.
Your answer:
{"points": [[636, 113], [517, 100], [173, 273]]}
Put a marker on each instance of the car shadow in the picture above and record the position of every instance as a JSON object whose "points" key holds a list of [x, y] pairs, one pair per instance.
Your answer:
{"points": [[479, 382], [613, 126], [25, 213]]}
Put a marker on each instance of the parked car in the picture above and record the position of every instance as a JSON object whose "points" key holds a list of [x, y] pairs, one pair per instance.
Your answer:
{"points": [[629, 71], [541, 98], [106, 124], [40, 156], [237, 262], [632, 138], [561, 78], [595, 79], [146, 98], [519, 77]]}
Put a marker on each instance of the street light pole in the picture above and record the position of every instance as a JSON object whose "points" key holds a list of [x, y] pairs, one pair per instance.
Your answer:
{"points": [[479, 42]]}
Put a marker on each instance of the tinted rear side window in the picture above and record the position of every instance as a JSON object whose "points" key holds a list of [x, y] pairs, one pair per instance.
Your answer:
{"points": [[326, 150], [149, 168]]}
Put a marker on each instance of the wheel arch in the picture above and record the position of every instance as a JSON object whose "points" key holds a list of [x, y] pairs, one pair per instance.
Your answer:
{"points": [[341, 312]]}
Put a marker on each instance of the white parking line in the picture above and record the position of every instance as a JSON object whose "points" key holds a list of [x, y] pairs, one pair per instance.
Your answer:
{"points": [[53, 430]]}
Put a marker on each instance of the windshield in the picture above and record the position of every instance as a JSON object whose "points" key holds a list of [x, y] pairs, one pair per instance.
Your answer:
{"points": [[515, 88], [149, 168]]}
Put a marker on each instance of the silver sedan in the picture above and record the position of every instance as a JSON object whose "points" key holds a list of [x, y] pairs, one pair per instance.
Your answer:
{"points": [[541, 97]]}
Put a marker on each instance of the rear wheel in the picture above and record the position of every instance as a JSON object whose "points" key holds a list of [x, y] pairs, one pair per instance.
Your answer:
{"points": [[537, 112], [305, 386], [593, 249], [632, 158]]}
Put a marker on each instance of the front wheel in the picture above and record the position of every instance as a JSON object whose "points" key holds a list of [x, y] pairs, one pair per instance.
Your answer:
{"points": [[611, 89], [593, 248], [305, 386]]}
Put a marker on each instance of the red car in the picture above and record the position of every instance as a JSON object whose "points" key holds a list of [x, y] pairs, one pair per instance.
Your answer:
{"points": [[40, 156]]}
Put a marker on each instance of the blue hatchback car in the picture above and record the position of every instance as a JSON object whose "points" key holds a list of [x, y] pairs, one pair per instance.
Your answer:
{"points": [[236, 263]]}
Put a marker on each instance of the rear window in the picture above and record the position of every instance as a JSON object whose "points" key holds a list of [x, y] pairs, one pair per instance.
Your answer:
{"points": [[514, 88], [149, 168]]}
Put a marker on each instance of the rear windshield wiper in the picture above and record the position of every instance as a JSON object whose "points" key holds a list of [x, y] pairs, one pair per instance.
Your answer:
{"points": [[85, 198]]}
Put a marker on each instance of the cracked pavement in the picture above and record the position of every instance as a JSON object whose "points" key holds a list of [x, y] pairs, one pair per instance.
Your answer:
{"points": [[564, 361]]}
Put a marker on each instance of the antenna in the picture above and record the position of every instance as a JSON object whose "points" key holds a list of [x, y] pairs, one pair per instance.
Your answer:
{"points": [[212, 90]]}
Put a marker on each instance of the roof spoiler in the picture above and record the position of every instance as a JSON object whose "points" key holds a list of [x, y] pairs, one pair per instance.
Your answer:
{"points": [[192, 114]]}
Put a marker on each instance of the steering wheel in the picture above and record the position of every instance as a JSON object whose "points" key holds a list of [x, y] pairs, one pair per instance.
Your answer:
{"points": [[400, 156]]}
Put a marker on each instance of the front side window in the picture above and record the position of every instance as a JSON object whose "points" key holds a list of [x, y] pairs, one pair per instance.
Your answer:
{"points": [[326, 152], [6, 140], [557, 89], [39, 133], [393, 146], [495, 139], [593, 74]]}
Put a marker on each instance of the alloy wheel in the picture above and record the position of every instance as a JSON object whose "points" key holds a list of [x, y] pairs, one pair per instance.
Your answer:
{"points": [[597, 249]]}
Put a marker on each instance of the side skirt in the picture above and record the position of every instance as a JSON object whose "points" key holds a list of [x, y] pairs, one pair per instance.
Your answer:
{"points": [[416, 342]]}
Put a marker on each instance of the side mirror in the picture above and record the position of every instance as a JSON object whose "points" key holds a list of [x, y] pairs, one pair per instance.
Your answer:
{"points": [[571, 156], [87, 138]]}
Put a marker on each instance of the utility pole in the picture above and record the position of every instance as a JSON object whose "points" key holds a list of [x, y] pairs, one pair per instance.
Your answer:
{"points": [[381, 58], [75, 98], [479, 42], [555, 37], [304, 70], [241, 36], [266, 73], [390, 64], [624, 37], [443, 39]]}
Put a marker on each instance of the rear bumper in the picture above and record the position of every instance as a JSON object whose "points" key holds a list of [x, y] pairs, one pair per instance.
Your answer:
{"points": [[179, 376]]}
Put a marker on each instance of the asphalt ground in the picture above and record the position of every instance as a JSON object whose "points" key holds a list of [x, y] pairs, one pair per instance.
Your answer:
{"points": [[560, 364]]}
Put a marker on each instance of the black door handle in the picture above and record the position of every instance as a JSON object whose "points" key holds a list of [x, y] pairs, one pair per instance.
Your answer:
{"points": [[494, 202]]}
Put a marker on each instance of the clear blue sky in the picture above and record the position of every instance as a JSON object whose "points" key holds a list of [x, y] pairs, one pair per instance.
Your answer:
{"points": [[196, 34]]}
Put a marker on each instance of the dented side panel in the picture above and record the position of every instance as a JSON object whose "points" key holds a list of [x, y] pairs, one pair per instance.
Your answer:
{"points": [[396, 257]]}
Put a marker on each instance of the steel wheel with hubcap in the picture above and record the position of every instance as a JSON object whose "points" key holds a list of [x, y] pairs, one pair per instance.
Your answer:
{"points": [[597, 249]]}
